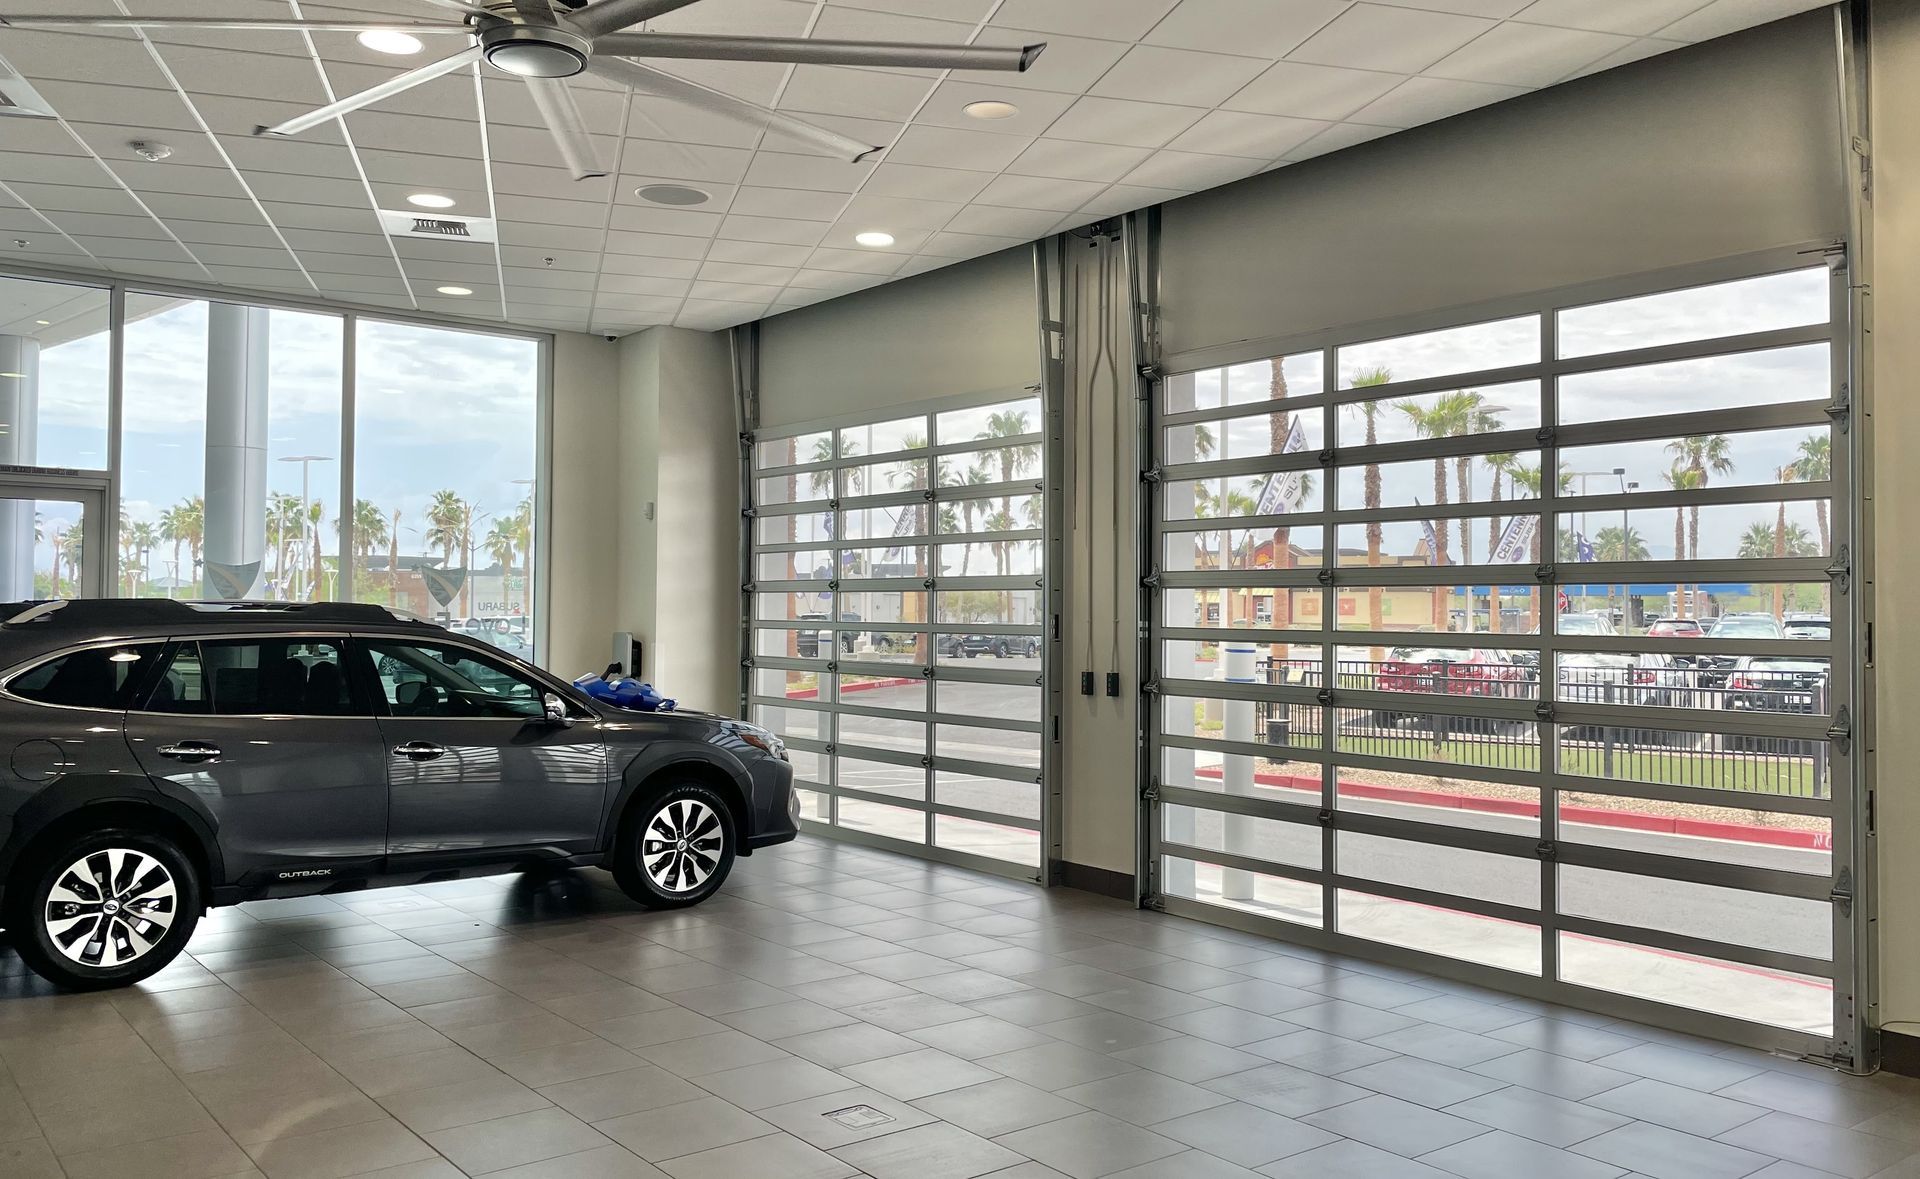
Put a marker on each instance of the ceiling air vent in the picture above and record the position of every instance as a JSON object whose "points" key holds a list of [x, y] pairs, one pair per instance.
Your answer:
{"points": [[18, 99], [442, 227]]}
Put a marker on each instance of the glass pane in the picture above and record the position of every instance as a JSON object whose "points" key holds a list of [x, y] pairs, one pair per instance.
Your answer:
{"points": [[996, 558], [1724, 835], [1272, 840], [447, 497], [1004, 701], [1786, 682], [1778, 997], [857, 814], [879, 777], [804, 528], [875, 561], [792, 685], [1711, 532], [1244, 495], [1480, 673], [1438, 611], [1765, 921], [1772, 301], [1275, 777], [883, 437], [1005, 464], [793, 489], [1665, 610], [1293, 664], [1440, 738], [1455, 413], [1485, 876], [1262, 722], [805, 723], [803, 565], [54, 353], [884, 478], [1710, 761], [1491, 941], [813, 806], [976, 792], [874, 732], [202, 516], [1772, 377], [1243, 384], [1007, 651], [994, 607], [883, 606], [1466, 540], [1500, 344], [800, 604], [1242, 606], [1008, 419], [1235, 888], [794, 449], [1253, 436], [1438, 795], [996, 841], [999, 746], [808, 766], [1244, 548], [882, 523], [892, 646], [1747, 459], [1006, 513], [1464, 480], [42, 549], [905, 693]]}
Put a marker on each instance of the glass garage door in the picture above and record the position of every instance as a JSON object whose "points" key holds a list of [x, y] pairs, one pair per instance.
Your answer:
{"points": [[1521, 645], [898, 597]]}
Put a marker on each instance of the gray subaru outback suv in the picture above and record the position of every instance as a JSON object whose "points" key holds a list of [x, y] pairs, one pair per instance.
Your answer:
{"points": [[162, 757]]}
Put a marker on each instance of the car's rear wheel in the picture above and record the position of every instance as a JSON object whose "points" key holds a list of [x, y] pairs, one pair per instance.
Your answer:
{"points": [[678, 848], [104, 908]]}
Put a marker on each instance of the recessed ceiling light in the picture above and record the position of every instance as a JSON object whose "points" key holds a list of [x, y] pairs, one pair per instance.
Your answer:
{"points": [[430, 200], [390, 41], [990, 108], [672, 194], [44, 322], [454, 290], [874, 237]]}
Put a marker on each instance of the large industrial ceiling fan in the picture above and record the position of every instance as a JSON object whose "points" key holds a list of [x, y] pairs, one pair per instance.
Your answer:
{"points": [[545, 42]]}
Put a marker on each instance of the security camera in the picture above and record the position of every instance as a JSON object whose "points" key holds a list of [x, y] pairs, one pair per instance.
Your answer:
{"points": [[610, 337]]}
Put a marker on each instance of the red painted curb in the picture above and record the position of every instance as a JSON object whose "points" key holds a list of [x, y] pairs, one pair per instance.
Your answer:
{"points": [[814, 693], [1593, 816]]}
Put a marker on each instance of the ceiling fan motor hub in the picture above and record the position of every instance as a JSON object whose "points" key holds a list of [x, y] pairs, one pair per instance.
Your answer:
{"points": [[536, 51]]}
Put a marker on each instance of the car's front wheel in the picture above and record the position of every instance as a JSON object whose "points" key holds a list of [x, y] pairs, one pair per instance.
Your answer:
{"points": [[678, 849], [104, 908]]}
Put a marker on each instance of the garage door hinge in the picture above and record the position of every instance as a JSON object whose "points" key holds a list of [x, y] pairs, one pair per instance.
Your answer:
{"points": [[1150, 793], [1839, 569], [1544, 710], [1546, 849], [1151, 581], [1840, 732], [1152, 475], [746, 513], [1150, 688], [1151, 372], [1544, 435], [1841, 405], [746, 587], [1324, 577], [1543, 572], [1842, 894]]}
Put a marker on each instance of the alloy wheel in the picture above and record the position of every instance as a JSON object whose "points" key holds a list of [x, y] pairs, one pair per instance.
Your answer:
{"points": [[110, 907], [681, 846]]}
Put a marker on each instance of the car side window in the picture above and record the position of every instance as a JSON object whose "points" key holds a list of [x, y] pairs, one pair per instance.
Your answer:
{"points": [[255, 677], [101, 677], [435, 680]]}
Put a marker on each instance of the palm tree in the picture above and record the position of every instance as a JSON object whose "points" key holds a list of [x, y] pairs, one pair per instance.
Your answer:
{"points": [[1370, 486], [369, 530], [522, 524], [140, 538], [1526, 479], [1704, 455], [976, 476], [1813, 463], [174, 528], [70, 544], [821, 482], [502, 545], [1683, 479], [393, 560], [447, 519], [284, 528], [1614, 544]]}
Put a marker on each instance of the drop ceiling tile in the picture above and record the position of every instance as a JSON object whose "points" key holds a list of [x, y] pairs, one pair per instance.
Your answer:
{"points": [[785, 231], [587, 214], [656, 267], [897, 213], [1632, 17], [535, 181], [1526, 55], [713, 314], [357, 284], [778, 170], [289, 215], [1257, 28], [1123, 198], [985, 219], [370, 265], [1121, 20], [844, 236], [788, 202], [1497, 9], [759, 253], [1397, 40], [564, 237], [866, 94], [309, 190], [384, 130], [109, 142], [1068, 66], [114, 58], [1640, 50], [641, 284], [1729, 16], [769, 18], [199, 235], [662, 119], [131, 249], [108, 225], [697, 163], [50, 198], [1422, 100], [580, 261], [527, 145], [425, 171], [738, 291], [1189, 171], [952, 148], [511, 101], [466, 202], [1305, 91], [967, 245], [1181, 76], [626, 192], [742, 272], [946, 108], [1041, 192], [319, 241], [642, 303], [56, 169], [848, 23], [967, 10], [923, 183], [837, 281], [655, 245], [1337, 138], [659, 219], [273, 257], [878, 132], [242, 75], [290, 157], [1067, 159], [95, 102], [1121, 121], [1237, 133], [856, 261], [552, 297]]}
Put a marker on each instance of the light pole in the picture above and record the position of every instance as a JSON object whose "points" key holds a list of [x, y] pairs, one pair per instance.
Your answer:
{"points": [[306, 462]]}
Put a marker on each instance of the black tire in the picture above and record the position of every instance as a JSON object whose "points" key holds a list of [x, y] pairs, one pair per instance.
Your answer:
{"points": [[128, 858], [658, 886]]}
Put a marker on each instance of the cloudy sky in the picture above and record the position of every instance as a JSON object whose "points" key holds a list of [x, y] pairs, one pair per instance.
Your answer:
{"points": [[436, 409]]}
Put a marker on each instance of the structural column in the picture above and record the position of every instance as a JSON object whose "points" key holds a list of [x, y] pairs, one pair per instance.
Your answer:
{"points": [[19, 428], [236, 490]]}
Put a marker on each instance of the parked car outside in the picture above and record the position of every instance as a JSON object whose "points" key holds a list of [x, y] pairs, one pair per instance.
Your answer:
{"points": [[998, 646], [1675, 628], [1448, 671], [1777, 683], [807, 642], [1807, 626], [1713, 668], [1584, 624], [167, 757]]}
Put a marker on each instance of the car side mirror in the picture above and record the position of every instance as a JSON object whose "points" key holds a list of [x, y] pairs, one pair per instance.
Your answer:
{"points": [[556, 711]]}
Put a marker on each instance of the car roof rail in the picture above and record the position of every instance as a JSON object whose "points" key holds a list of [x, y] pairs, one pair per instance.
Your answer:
{"points": [[96, 611], [308, 611]]}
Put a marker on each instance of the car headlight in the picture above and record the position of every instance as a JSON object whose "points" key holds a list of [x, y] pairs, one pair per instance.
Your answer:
{"points": [[761, 739]]}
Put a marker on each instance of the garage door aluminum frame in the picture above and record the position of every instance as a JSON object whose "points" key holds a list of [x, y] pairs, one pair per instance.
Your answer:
{"points": [[1545, 714]]}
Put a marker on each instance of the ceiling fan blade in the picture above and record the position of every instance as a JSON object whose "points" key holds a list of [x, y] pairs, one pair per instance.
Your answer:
{"points": [[894, 54], [652, 81], [373, 94], [40, 20], [554, 100], [609, 16], [470, 9]]}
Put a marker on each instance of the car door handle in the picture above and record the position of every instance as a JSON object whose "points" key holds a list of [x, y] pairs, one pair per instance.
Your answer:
{"points": [[190, 751], [419, 750]]}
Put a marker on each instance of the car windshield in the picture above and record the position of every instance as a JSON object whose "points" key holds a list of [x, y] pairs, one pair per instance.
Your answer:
{"points": [[1746, 627], [1674, 628], [1816, 666], [1581, 624], [1809, 629]]}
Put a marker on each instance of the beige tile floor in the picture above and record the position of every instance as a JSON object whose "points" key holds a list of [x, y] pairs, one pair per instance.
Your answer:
{"points": [[546, 1028]]}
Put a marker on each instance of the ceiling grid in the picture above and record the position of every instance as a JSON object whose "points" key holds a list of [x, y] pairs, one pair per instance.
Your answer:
{"points": [[1133, 102]]}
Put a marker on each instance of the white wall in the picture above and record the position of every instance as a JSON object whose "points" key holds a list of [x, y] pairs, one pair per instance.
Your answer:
{"points": [[1707, 152]]}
